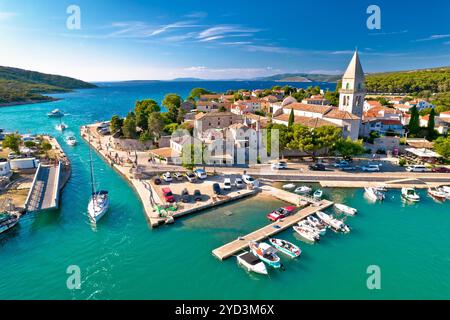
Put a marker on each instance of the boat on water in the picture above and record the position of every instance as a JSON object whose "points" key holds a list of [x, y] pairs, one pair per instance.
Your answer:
{"points": [[374, 194], [316, 222], [303, 190], [251, 263], [289, 186], [306, 234], [318, 194], [381, 188], [321, 231], [266, 253], [285, 247], [335, 224], [55, 114], [281, 213], [410, 194], [99, 202], [345, 209], [61, 127], [437, 194], [8, 221], [446, 190], [71, 141]]}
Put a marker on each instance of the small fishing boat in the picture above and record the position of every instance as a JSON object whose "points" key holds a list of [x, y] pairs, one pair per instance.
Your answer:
{"points": [[345, 209], [381, 188], [445, 190], [303, 190], [289, 186], [318, 194], [285, 247], [266, 253], [8, 221], [410, 194], [316, 222], [71, 141], [306, 234], [335, 224], [437, 194], [55, 114], [251, 263], [374, 194], [281, 213], [61, 127]]}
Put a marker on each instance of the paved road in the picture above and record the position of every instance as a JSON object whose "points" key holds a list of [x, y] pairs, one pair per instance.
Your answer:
{"points": [[42, 196]]}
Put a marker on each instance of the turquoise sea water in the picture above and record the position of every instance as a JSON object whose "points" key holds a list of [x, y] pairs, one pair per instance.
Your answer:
{"points": [[122, 258]]}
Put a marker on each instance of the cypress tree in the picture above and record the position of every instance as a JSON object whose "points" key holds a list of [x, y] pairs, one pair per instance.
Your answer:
{"points": [[291, 119], [414, 122], [431, 124]]}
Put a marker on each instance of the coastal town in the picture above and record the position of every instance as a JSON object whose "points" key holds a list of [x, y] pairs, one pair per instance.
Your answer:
{"points": [[216, 148]]}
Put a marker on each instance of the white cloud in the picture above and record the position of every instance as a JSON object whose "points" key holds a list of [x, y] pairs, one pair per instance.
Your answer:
{"points": [[223, 30], [434, 37]]}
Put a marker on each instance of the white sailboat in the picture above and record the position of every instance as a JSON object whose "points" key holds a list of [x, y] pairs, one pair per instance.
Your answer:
{"points": [[99, 202]]}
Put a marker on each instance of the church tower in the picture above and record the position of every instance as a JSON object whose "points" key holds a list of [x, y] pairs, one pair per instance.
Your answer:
{"points": [[352, 93]]}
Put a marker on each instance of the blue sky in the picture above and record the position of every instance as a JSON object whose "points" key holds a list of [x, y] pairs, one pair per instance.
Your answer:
{"points": [[122, 40]]}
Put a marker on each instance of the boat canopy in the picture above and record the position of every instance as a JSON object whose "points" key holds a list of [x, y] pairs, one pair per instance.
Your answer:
{"points": [[100, 192], [249, 258]]}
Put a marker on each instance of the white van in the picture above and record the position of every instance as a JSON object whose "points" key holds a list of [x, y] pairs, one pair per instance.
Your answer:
{"points": [[417, 168]]}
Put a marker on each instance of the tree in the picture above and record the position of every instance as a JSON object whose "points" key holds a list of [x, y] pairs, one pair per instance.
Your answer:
{"points": [[12, 141], [291, 119], [197, 92], [172, 102], [145, 136], [414, 122], [312, 140], [116, 125], [155, 124], [180, 116], [442, 146], [46, 147], [171, 128], [142, 109], [30, 144], [348, 148], [431, 133], [283, 136], [129, 126]]}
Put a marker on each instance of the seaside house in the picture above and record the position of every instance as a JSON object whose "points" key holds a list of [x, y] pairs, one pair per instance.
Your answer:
{"points": [[420, 104], [396, 100], [215, 120], [383, 127], [317, 100], [369, 104]]}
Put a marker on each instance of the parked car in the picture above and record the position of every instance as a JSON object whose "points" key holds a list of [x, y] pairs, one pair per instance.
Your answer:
{"points": [[279, 165], [227, 184], [168, 195], [371, 168], [317, 167], [238, 183], [417, 168], [157, 180], [167, 177], [197, 195], [12, 155], [201, 174], [191, 177], [441, 169], [341, 163], [185, 197], [347, 168], [178, 176], [216, 188], [249, 180]]}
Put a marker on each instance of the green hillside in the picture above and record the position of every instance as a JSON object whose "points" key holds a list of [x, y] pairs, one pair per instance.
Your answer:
{"points": [[414, 81], [19, 86]]}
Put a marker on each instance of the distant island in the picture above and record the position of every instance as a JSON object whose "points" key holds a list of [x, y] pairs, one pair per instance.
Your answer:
{"points": [[19, 86]]}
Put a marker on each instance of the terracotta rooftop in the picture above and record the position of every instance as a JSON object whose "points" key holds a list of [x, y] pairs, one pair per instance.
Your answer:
{"points": [[165, 153], [335, 113], [308, 107], [306, 121]]}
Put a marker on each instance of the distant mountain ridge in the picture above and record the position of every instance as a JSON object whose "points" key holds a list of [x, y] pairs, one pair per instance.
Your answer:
{"points": [[301, 77], [19, 86]]}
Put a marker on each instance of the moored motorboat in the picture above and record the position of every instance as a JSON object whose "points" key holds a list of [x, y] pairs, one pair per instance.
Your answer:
{"points": [[374, 194], [303, 190], [437, 194], [318, 194], [61, 127], [321, 231], [307, 234], [289, 186], [285, 247], [55, 114], [8, 221], [410, 194], [335, 224], [251, 262], [266, 253], [345, 209]]}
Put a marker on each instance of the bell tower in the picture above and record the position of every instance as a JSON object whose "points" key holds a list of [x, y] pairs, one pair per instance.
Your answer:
{"points": [[352, 92]]}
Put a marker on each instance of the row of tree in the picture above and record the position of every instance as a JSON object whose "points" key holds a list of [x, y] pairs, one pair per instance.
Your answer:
{"points": [[414, 128]]}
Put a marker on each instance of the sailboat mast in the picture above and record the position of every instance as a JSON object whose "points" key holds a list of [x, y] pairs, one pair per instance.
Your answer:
{"points": [[91, 164]]}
